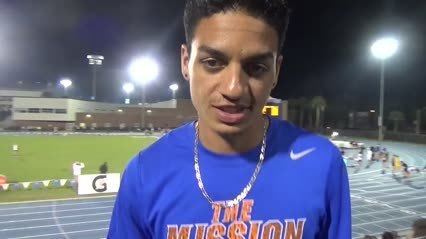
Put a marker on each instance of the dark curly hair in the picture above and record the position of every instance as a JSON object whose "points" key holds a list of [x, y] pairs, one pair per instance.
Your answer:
{"points": [[274, 12]]}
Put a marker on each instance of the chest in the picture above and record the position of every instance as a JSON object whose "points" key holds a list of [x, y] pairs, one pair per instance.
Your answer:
{"points": [[283, 203]]}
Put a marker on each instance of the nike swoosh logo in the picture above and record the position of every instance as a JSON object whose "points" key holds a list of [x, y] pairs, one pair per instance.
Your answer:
{"points": [[297, 156]]}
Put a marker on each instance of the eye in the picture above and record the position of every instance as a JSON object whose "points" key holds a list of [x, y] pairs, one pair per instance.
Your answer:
{"points": [[212, 64], [256, 69]]}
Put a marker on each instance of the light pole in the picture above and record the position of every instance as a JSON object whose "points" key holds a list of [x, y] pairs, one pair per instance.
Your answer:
{"points": [[128, 88], [174, 88], [95, 61], [65, 83], [383, 49], [143, 70]]}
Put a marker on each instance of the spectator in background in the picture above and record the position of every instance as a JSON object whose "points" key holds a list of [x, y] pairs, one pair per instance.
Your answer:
{"points": [[369, 237], [76, 169], [419, 229], [405, 169], [385, 159], [396, 164], [103, 169], [390, 235]]}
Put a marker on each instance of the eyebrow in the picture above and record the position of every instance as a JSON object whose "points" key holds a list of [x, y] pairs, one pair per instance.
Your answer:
{"points": [[216, 53]]}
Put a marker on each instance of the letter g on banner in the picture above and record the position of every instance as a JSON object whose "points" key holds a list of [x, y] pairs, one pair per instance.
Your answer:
{"points": [[99, 183]]}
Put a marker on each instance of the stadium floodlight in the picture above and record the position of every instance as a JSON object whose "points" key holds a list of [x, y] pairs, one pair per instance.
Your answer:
{"points": [[65, 83], [95, 61], [143, 71], [128, 88], [383, 49], [174, 88]]}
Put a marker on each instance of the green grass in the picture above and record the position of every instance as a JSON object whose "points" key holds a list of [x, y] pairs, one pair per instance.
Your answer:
{"points": [[51, 157], [41, 194]]}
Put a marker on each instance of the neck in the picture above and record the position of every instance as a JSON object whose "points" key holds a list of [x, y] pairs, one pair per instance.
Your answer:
{"points": [[240, 142]]}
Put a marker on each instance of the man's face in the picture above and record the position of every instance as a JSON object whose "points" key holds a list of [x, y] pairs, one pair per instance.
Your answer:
{"points": [[232, 68]]}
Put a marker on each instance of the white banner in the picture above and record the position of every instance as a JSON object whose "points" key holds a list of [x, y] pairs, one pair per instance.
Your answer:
{"points": [[46, 183], [4, 186], [26, 184], [63, 182], [98, 183]]}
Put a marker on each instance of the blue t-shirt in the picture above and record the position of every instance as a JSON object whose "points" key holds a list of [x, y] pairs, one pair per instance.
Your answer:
{"points": [[301, 191]]}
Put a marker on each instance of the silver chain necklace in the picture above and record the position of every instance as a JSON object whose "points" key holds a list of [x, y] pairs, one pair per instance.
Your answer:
{"points": [[246, 190]]}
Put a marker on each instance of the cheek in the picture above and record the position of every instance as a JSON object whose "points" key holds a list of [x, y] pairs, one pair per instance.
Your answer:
{"points": [[202, 87], [261, 92]]}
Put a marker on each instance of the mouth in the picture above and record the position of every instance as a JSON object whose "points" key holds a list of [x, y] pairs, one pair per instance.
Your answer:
{"points": [[232, 114]]}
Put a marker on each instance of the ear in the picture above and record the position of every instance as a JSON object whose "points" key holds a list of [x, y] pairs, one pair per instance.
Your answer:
{"points": [[277, 72], [184, 61]]}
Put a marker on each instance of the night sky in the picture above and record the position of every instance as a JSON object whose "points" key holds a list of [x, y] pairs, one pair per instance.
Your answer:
{"points": [[326, 52]]}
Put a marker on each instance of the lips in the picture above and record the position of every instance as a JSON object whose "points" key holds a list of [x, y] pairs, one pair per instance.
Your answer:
{"points": [[231, 114]]}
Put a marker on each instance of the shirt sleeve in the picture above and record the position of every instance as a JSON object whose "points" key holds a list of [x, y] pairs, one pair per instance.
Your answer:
{"points": [[338, 195], [126, 220]]}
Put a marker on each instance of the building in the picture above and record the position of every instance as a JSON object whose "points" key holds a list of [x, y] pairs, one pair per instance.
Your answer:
{"points": [[51, 113], [168, 114], [61, 113], [6, 97]]}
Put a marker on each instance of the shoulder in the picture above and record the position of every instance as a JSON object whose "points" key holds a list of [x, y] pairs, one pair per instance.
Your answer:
{"points": [[166, 147], [176, 139], [299, 139]]}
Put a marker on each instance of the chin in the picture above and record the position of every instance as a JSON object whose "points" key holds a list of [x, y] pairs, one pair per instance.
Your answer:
{"points": [[228, 129]]}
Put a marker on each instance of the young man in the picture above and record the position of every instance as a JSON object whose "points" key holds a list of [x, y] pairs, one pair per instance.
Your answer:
{"points": [[234, 173]]}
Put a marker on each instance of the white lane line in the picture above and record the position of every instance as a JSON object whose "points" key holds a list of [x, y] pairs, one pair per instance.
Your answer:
{"points": [[58, 200], [388, 190], [405, 194], [403, 186], [50, 218], [384, 220], [368, 172], [44, 226], [387, 210], [66, 210], [405, 199], [373, 202], [55, 234], [57, 205], [56, 223]]}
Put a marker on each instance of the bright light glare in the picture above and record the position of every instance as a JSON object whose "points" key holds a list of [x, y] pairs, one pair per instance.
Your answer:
{"points": [[65, 83], [335, 134], [128, 88], [174, 87], [144, 70], [384, 48]]}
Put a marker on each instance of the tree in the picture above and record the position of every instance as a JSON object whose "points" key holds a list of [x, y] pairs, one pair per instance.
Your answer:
{"points": [[419, 113], [396, 117], [302, 104], [318, 104]]}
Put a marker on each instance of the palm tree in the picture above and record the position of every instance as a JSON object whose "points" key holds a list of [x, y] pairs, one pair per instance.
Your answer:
{"points": [[396, 117], [301, 105], [318, 104], [419, 113]]}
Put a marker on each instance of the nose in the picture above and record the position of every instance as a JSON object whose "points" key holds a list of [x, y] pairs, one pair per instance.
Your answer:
{"points": [[233, 83]]}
